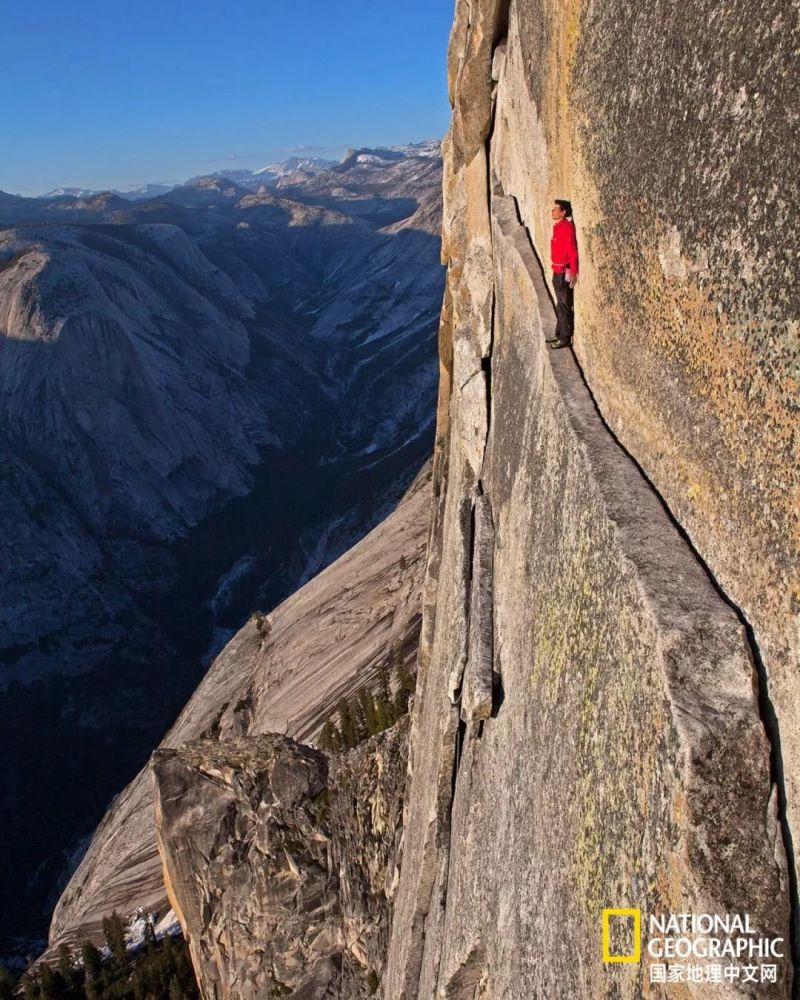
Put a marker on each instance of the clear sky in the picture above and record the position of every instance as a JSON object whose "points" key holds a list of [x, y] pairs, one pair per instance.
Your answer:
{"points": [[114, 93]]}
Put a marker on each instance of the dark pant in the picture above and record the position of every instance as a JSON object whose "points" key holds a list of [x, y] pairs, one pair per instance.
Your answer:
{"points": [[565, 313]]}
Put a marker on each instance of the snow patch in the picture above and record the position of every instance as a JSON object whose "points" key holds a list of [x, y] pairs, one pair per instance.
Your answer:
{"points": [[166, 926]]}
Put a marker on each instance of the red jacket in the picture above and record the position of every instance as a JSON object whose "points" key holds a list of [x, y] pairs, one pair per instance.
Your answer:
{"points": [[564, 247]]}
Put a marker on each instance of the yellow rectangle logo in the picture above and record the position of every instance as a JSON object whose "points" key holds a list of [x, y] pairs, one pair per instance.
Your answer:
{"points": [[637, 935]]}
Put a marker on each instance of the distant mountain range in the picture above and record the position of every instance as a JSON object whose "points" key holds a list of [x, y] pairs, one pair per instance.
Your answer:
{"points": [[133, 194], [271, 174]]}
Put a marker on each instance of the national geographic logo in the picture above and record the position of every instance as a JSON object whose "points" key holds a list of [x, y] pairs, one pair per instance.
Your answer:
{"points": [[626, 928], [692, 947]]}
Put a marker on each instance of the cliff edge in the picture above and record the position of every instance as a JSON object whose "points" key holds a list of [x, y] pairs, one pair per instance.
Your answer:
{"points": [[606, 710], [605, 713]]}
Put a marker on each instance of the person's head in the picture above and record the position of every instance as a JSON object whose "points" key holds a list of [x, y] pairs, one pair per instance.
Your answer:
{"points": [[562, 209]]}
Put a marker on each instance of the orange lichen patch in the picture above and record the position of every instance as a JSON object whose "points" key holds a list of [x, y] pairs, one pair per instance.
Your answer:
{"points": [[568, 29], [558, 107], [571, 25], [445, 366], [748, 402], [675, 880]]}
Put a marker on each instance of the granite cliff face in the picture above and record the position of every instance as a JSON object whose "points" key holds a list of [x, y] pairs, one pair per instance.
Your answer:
{"points": [[605, 712], [593, 725], [670, 134]]}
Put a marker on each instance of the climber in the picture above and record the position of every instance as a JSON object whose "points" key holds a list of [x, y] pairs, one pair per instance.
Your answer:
{"points": [[564, 258]]}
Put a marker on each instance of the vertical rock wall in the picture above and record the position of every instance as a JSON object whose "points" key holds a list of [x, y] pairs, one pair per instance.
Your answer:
{"points": [[625, 760], [670, 127]]}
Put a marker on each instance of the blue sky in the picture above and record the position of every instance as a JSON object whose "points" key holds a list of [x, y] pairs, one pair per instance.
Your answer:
{"points": [[113, 93]]}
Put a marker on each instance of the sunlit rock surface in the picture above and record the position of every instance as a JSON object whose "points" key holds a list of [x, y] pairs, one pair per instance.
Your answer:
{"points": [[626, 760], [280, 861]]}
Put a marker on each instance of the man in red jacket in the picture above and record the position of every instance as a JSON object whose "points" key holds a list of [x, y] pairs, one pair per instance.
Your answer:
{"points": [[564, 258]]}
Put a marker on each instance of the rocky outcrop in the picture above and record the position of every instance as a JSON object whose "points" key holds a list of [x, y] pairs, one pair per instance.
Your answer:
{"points": [[279, 862], [246, 846], [628, 757], [356, 618], [367, 792]]}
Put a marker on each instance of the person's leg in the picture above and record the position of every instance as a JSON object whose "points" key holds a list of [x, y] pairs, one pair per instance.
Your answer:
{"points": [[557, 282], [569, 311], [564, 314]]}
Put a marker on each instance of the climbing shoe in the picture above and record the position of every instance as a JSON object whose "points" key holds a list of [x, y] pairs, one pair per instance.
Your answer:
{"points": [[552, 340], [558, 343]]}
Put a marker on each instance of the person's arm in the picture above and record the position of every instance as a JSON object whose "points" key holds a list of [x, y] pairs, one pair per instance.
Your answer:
{"points": [[572, 256]]}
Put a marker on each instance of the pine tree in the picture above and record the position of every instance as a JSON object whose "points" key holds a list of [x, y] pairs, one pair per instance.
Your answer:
{"points": [[49, 984], [367, 703], [384, 707], [357, 710], [114, 931], [93, 968], [347, 725], [175, 989], [384, 686], [30, 987], [170, 961], [141, 985], [66, 968], [149, 937], [384, 712], [6, 984], [262, 623], [330, 738], [406, 685]]}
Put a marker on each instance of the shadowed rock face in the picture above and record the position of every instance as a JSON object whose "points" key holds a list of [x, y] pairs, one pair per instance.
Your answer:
{"points": [[205, 398], [279, 862], [149, 362], [360, 615], [624, 762]]}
